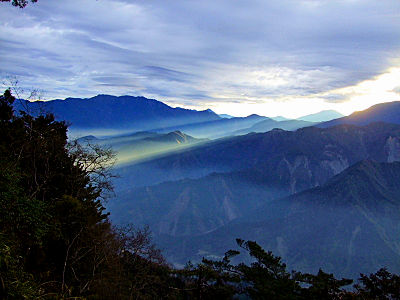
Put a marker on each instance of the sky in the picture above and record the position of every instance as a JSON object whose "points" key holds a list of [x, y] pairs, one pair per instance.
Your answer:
{"points": [[288, 58]]}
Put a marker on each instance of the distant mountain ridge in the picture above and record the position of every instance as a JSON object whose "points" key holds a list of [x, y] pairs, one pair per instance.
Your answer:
{"points": [[217, 128], [106, 111], [388, 112], [106, 114], [280, 118], [143, 145], [322, 116], [324, 151], [270, 124], [226, 116], [290, 162]]}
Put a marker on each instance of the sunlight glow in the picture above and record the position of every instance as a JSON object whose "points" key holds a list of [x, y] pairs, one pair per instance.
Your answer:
{"points": [[382, 88]]}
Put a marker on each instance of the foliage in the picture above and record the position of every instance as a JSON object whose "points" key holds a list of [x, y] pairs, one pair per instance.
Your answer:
{"points": [[19, 3], [265, 278], [210, 279], [56, 239], [323, 286], [96, 162], [381, 285], [15, 283]]}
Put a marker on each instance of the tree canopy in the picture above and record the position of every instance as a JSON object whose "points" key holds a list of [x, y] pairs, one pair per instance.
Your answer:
{"points": [[55, 237], [19, 3]]}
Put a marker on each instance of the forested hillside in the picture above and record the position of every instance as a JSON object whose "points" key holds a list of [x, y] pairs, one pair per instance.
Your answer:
{"points": [[56, 241]]}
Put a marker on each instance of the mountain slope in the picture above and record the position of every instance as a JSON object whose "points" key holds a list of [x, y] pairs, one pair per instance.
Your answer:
{"points": [[384, 112], [105, 111], [308, 156], [197, 206], [279, 118], [349, 225], [143, 145], [288, 163], [226, 116], [322, 116], [217, 128], [269, 124]]}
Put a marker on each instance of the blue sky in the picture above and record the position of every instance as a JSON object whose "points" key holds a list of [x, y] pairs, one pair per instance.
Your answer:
{"points": [[239, 57]]}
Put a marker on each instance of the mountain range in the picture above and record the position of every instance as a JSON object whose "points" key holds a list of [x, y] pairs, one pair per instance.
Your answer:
{"points": [[143, 145], [322, 116], [291, 162], [384, 112], [280, 188], [269, 124], [124, 112], [105, 115], [324, 151], [348, 225], [219, 128], [318, 193]]}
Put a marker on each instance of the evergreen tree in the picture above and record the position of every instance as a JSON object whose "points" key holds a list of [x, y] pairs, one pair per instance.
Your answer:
{"points": [[55, 238]]}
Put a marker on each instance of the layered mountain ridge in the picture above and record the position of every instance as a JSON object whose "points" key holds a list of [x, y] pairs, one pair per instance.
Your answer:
{"points": [[143, 145], [383, 112], [346, 226], [325, 115], [320, 196], [312, 154], [113, 115]]}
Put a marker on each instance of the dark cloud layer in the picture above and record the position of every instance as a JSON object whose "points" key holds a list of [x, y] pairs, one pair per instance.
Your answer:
{"points": [[202, 51]]}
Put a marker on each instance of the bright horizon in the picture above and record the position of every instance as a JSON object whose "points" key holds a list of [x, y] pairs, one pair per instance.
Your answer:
{"points": [[361, 96]]}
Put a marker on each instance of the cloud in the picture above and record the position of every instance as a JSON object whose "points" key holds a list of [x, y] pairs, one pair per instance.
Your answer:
{"points": [[336, 98], [165, 74], [199, 52], [396, 90]]}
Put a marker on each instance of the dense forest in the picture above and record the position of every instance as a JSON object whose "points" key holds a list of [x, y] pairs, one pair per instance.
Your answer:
{"points": [[56, 241]]}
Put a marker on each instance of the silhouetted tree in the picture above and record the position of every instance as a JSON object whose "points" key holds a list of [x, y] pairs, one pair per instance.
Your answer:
{"points": [[322, 286], [19, 3], [381, 285], [55, 238], [265, 278]]}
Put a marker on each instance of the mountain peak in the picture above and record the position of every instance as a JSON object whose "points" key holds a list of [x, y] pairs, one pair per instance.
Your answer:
{"points": [[174, 136], [322, 116], [279, 118], [255, 116]]}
